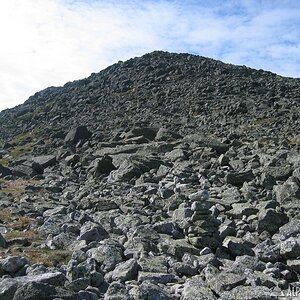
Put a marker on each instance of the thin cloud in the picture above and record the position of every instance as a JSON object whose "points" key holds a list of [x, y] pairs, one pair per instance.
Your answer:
{"points": [[50, 42]]}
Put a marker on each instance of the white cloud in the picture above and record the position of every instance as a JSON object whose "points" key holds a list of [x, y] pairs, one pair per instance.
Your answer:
{"points": [[50, 42]]}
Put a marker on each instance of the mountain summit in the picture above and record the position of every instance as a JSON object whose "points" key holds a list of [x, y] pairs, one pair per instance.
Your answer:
{"points": [[168, 176], [179, 91]]}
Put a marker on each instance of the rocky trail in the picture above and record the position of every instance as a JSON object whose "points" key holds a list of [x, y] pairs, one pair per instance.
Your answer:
{"points": [[168, 176]]}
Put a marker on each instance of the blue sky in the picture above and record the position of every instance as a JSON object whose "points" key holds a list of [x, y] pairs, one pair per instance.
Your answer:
{"points": [[50, 42]]}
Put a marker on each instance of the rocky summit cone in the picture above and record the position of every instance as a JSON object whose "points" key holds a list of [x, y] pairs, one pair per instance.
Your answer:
{"points": [[167, 176]]}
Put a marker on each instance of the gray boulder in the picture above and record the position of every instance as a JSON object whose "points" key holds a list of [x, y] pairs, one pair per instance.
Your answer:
{"points": [[196, 288], [77, 134], [225, 281], [117, 291], [92, 232], [108, 255], [42, 291], [44, 161], [125, 271], [9, 286], [249, 293], [12, 264], [270, 220], [290, 248], [4, 171], [102, 166], [149, 291], [164, 134], [238, 178], [3, 243], [237, 247]]}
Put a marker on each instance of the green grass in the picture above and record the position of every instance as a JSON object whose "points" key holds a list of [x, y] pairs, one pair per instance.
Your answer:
{"points": [[17, 151], [25, 117], [23, 136], [116, 113], [4, 161], [264, 121]]}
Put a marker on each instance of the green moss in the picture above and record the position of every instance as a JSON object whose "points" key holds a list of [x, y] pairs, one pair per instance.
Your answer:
{"points": [[23, 136], [264, 121], [25, 117], [19, 150], [4, 162], [116, 113]]}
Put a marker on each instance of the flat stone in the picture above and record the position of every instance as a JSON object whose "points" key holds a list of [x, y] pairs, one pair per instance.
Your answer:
{"points": [[225, 282], [237, 247], [196, 288], [9, 286], [157, 264], [149, 291], [162, 278], [249, 293], [44, 161], [39, 290], [238, 178], [177, 247]]}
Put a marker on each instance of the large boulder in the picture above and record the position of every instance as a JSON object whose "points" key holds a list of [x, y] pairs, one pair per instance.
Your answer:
{"points": [[164, 134], [249, 293], [26, 169], [147, 132], [42, 291], [9, 286], [102, 166], [12, 264], [196, 288], [203, 141], [92, 232], [3, 243], [270, 220], [4, 171], [124, 271], [238, 178], [77, 134], [44, 161]]}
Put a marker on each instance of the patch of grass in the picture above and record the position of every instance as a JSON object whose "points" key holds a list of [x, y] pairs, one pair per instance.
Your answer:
{"points": [[23, 136], [4, 161], [5, 216], [17, 226], [31, 235], [16, 188], [116, 113], [49, 258], [264, 141], [264, 121], [22, 223], [20, 150], [25, 117], [294, 142]]}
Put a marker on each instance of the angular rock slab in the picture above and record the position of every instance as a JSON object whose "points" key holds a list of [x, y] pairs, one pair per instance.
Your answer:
{"points": [[9, 286]]}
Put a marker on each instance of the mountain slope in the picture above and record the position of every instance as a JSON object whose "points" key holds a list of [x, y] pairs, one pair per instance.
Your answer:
{"points": [[169, 176]]}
